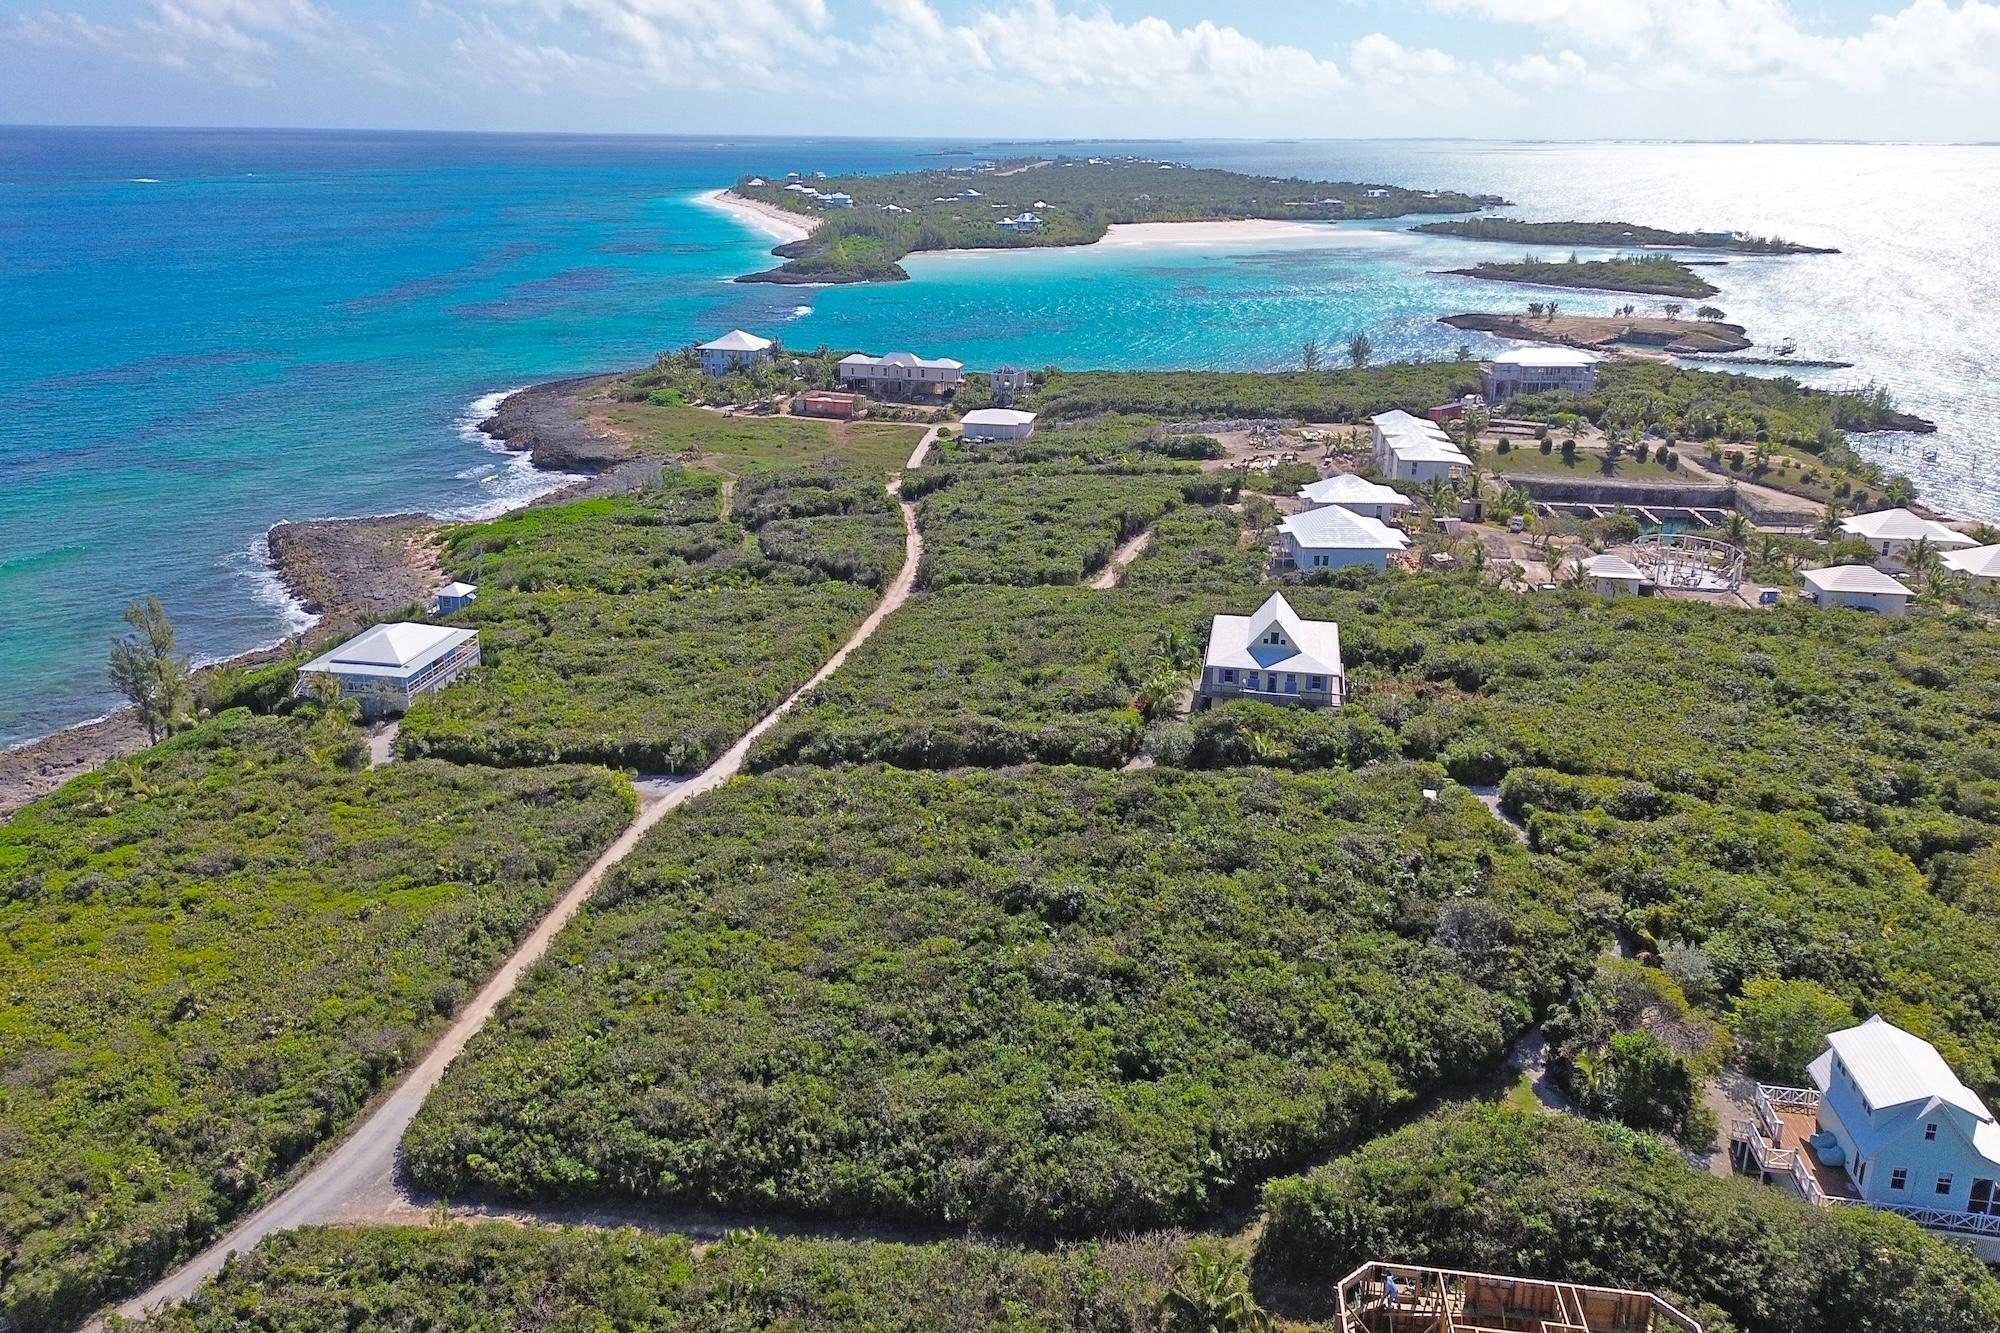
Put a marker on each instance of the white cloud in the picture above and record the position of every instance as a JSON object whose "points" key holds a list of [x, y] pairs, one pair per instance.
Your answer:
{"points": [[236, 40]]}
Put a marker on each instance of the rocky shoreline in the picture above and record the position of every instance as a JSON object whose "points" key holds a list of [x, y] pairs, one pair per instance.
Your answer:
{"points": [[543, 422]]}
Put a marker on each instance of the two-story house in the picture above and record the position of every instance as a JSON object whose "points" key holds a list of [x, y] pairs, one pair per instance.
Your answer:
{"points": [[1886, 1123], [1411, 448], [735, 350], [1274, 656]]}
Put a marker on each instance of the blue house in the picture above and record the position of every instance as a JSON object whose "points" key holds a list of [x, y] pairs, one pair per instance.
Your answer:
{"points": [[455, 597], [1886, 1123]]}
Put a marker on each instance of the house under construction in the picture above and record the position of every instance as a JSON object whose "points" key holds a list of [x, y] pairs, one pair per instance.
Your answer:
{"points": [[1406, 1298]]}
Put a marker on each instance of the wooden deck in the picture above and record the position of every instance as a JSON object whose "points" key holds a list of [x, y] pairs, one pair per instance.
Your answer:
{"points": [[1799, 1123]]}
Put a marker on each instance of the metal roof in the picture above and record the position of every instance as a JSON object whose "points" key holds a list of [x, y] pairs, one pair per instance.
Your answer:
{"points": [[1334, 528], [1854, 578], [736, 340], [1313, 647], [1348, 488], [1892, 1067], [1902, 525], [391, 650]]}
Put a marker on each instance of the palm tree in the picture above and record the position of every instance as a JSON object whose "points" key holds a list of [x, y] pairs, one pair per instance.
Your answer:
{"points": [[1737, 530], [1212, 1295], [1310, 356], [1535, 310], [1549, 309], [1926, 565], [1828, 528], [1359, 348]]}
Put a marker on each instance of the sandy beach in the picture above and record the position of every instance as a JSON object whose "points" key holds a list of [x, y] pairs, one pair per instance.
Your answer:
{"points": [[780, 225], [1250, 232]]}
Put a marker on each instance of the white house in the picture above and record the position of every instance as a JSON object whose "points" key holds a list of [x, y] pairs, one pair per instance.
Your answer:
{"points": [[454, 597], [1858, 587], [1894, 531], [1981, 564], [838, 199], [1888, 1124], [1330, 537], [1357, 495], [997, 423], [1274, 656], [1378, 193], [1613, 576], [1525, 370], [1416, 449], [389, 665], [1020, 222], [735, 350], [900, 374]]}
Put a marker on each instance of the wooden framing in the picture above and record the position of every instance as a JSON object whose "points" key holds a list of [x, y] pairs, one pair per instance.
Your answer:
{"points": [[1409, 1298]]}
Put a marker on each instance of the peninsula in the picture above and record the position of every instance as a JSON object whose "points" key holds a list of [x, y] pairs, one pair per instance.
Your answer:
{"points": [[860, 227], [1621, 234], [1653, 275]]}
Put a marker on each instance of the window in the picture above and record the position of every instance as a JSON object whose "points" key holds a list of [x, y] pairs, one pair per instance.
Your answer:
{"points": [[1316, 683], [1944, 1183], [1930, 1131], [1899, 1178], [1229, 675]]}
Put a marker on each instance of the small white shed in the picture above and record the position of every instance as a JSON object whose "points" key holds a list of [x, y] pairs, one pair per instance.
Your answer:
{"points": [[1859, 588], [998, 423], [1613, 576]]}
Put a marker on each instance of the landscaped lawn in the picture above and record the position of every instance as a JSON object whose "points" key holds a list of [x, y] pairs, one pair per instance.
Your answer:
{"points": [[1528, 460]]}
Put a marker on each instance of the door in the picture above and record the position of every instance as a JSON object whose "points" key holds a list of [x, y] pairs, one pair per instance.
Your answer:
{"points": [[1985, 1198]]}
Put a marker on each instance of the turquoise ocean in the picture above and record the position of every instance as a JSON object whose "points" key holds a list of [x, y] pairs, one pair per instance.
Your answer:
{"points": [[205, 332]]}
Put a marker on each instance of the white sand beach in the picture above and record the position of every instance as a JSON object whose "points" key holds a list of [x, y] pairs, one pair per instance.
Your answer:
{"points": [[777, 223], [1252, 232]]}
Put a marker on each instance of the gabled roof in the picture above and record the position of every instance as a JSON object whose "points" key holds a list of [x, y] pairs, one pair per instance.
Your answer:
{"points": [[1854, 578], [1893, 1067], [391, 650], [1981, 562], [1612, 567], [1902, 525], [736, 340], [902, 359], [1399, 422], [1314, 647], [1345, 488], [1417, 439], [1335, 529]]}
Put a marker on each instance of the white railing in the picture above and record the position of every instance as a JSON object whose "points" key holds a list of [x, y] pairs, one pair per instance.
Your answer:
{"points": [[1940, 1219]]}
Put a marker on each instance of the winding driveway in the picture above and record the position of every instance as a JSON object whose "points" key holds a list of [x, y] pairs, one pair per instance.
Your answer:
{"points": [[357, 1180]]}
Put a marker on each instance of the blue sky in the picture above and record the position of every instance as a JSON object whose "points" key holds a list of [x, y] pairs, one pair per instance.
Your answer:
{"points": [[1900, 69]]}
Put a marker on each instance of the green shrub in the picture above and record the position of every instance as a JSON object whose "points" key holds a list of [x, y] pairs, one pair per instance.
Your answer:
{"points": [[1501, 1190], [1052, 1001], [1783, 1024], [216, 952]]}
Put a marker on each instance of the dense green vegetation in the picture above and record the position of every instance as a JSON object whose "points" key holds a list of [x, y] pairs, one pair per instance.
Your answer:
{"points": [[1508, 1191], [505, 1279], [1627, 1044], [212, 954], [1056, 1001], [1346, 394], [1629, 273], [952, 209], [1680, 404], [998, 676], [1797, 794], [646, 631], [1611, 234], [650, 410], [1026, 524]]}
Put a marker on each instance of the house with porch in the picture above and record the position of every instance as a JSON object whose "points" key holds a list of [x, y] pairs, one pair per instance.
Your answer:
{"points": [[735, 350], [387, 667], [1886, 1124], [1519, 371], [1331, 537], [1892, 532], [1357, 495], [1414, 449], [901, 375], [1275, 656]]}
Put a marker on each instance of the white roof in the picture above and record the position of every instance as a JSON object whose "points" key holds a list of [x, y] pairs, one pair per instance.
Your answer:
{"points": [[902, 359], [1337, 529], [736, 340], [1902, 525], [391, 650], [1418, 439], [998, 416], [1854, 578], [1398, 422], [1313, 645], [1545, 358], [1345, 488], [1893, 1067], [1612, 567], [1982, 561], [458, 590]]}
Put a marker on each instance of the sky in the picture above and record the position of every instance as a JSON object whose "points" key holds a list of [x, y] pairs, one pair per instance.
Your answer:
{"points": [[1546, 69]]}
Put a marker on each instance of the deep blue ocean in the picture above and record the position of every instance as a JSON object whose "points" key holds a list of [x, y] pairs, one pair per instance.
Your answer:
{"points": [[205, 332]]}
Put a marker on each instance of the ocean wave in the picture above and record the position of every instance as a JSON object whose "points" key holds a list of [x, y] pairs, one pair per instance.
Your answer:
{"points": [[509, 482], [253, 564], [801, 311], [143, 180]]}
